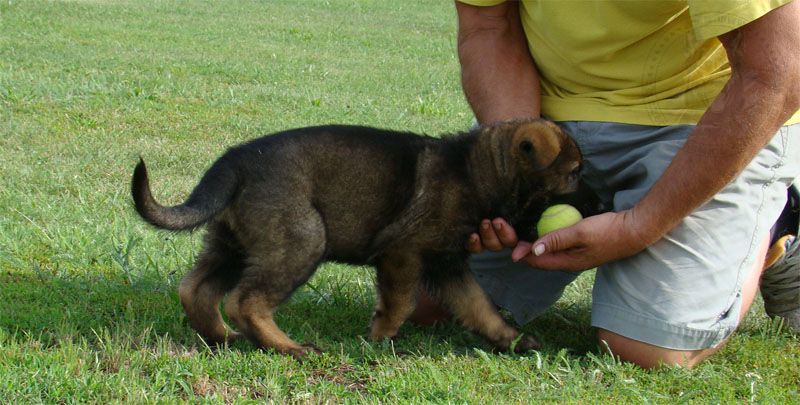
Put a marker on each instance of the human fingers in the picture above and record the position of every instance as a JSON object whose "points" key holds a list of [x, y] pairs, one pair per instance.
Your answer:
{"points": [[521, 251], [489, 238], [505, 233], [474, 243], [557, 241], [592, 241]]}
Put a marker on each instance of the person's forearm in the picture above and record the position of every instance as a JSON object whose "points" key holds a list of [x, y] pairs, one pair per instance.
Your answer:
{"points": [[723, 143], [760, 96], [498, 75]]}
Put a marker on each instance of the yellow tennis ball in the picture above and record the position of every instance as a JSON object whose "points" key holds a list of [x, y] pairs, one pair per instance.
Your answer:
{"points": [[556, 217]]}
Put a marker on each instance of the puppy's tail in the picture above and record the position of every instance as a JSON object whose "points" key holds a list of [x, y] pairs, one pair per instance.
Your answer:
{"points": [[210, 196]]}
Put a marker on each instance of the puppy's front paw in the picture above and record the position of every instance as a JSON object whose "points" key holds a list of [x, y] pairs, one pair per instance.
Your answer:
{"points": [[380, 328], [525, 343], [379, 335], [517, 343], [304, 350]]}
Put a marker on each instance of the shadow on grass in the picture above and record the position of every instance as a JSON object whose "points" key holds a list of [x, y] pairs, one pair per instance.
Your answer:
{"points": [[345, 330], [51, 309]]}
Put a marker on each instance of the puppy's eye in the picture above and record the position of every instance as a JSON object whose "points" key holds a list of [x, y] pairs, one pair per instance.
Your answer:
{"points": [[574, 169], [575, 173]]}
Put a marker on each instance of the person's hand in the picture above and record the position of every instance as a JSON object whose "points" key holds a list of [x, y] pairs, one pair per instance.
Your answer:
{"points": [[493, 235], [589, 243], [592, 241]]}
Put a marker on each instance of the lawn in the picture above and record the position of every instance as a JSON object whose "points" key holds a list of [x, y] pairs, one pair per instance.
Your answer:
{"points": [[89, 311]]}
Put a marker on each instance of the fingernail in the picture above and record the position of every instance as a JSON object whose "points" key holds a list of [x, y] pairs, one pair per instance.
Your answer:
{"points": [[485, 225], [538, 249], [497, 226]]}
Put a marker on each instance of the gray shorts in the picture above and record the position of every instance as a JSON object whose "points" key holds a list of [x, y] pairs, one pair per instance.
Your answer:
{"points": [[685, 291]]}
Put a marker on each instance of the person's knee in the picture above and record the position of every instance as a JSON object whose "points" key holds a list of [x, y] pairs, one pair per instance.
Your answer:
{"points": [[649, 356]]}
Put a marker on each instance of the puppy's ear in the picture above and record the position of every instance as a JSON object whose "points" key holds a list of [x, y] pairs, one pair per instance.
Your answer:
{"points": [[526, 148], [537, 144], [527, 153]]}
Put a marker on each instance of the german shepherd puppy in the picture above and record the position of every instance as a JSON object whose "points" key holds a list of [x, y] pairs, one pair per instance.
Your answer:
{"points": [[278, 206]]}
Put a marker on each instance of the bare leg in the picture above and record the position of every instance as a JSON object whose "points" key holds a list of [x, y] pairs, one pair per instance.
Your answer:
{"points": [[428, 311], [649, 356]]}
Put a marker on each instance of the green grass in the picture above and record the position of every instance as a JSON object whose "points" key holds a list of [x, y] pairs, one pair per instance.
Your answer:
{"points": [[89, 311]]}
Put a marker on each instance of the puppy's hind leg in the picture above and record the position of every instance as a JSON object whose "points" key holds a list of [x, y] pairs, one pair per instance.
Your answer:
{"points": [[216, 271], [469, 304], [281, 261], [253, 308]]}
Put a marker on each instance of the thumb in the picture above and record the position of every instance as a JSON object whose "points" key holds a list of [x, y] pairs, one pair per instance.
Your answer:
{"points": [[556, 241]]}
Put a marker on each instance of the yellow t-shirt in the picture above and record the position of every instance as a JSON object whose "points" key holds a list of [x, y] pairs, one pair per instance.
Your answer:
{"points": [[651, 62]]}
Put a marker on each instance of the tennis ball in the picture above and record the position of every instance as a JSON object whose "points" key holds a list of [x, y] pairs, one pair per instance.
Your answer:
{"points": [[556, 217]]}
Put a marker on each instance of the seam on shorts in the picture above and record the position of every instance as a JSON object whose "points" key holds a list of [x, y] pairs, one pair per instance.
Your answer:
{"points": [[745, 266], [655, 331]]}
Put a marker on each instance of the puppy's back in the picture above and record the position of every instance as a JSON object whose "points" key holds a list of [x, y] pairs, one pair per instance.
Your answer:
{"points": [[358, 178]]}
